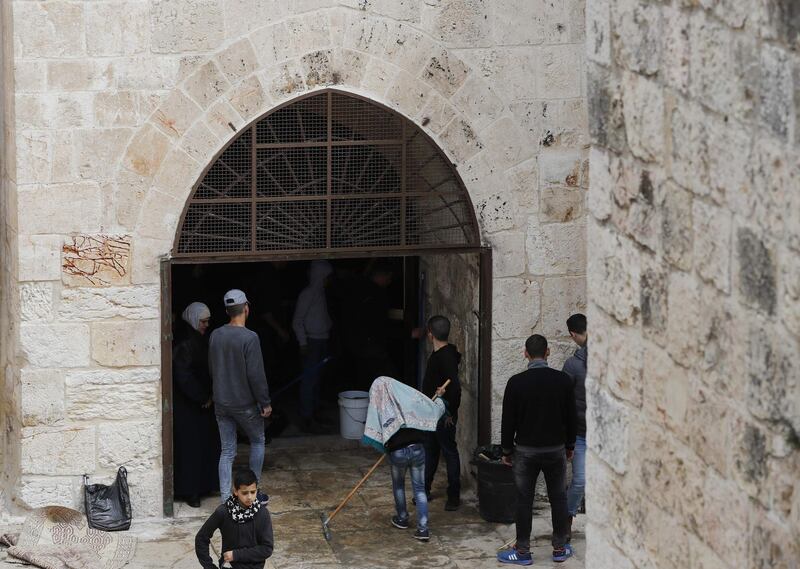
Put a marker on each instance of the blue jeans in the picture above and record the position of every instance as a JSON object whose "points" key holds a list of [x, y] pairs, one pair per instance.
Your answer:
{"points": [[578, 484], [252, 423], [410, 457], [309, 385], [443, 441]]}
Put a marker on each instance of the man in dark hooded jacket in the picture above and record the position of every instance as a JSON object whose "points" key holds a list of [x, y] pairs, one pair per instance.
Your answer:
{"points": [[443, 365], [575, 367]]}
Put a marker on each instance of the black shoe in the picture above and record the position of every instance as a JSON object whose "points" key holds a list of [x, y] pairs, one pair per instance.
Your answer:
{"points": [[452, 504], [262, 497], [193, 501], [422, 535], [398, 523]]}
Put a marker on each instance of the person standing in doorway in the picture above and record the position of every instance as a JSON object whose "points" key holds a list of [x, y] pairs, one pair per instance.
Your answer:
{"points": [[196, 441], [241, 393], [575, 367], [443, 365], [538, 435], [312, 325]]}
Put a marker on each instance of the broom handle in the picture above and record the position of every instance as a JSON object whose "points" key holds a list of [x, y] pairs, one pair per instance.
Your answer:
{"points": [[369, 473]]}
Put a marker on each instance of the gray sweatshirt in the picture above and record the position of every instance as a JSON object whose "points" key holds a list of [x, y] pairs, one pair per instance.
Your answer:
{"points": [[237, 369], [311, 318]]}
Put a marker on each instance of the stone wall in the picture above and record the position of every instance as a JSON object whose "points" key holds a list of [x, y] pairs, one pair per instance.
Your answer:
{"points": [[121, 104], [694, 241]]}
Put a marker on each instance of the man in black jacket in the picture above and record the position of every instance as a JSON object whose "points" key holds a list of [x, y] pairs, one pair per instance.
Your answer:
{"points": [[443, 365], [245, 526], [538, 435]]}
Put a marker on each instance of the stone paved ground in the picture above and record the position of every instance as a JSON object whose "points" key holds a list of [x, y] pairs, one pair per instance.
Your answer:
{"points": [[303, 483]]}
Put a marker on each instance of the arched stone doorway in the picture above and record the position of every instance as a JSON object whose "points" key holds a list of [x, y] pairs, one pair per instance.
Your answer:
{"points": [[334, 175]]}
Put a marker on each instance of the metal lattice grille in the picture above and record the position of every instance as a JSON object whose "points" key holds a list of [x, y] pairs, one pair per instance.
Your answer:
{"points": [[330, 172]]}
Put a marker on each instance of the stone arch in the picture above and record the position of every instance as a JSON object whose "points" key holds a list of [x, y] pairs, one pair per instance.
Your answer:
{"points": [[388, 62]]}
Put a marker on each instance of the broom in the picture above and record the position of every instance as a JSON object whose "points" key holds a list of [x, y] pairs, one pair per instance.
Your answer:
{"points": [[326, 520]]}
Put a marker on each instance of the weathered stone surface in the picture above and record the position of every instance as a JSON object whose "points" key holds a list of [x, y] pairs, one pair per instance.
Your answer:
{"points": [[677, 238], [60, 208], [36, 301], [560, 71], [561, 298], [55, 345], [666, 390], [683, 321], [57, 450], [146, 151], [40, 491], [712, 244], [598, 31], [606, 118], [40, 257], [132, 394], [121, 344], [508, 258], [53, 29], [117, 28], [654, 301], [238, 60], [206, 84], [517, 307], [637, 28], [199, 144], [134, 444], [139, 302], [615, 265], [643, 109], [757, 271], [186, 25], [608, 420], [42, 396], [176, 114], [556, 248], [625, 377], [460, 140], [445, 72]]}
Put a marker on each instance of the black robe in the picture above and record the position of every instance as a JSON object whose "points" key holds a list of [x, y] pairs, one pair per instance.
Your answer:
{"points": [[196, 438]]}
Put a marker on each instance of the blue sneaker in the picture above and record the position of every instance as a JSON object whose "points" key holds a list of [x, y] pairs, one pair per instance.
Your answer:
{"points": [[399, 523], [561, 555], [513, 557], [262, 497]]}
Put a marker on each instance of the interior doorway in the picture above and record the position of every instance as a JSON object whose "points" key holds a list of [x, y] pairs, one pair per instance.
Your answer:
{"points": [[331, 176]]}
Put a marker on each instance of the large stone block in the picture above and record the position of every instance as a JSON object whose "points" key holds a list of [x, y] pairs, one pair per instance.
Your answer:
{"points": [[179, 171], [614, 271], [60, 208], [117, 28], [683, 319], [556, 248], [445, 72], [121, 344], [146, 72], [599, 197], [508, 254], [147, 492], [460, 140], [55, 345], [517, 306], [319, 69], [756, 270], [606, 117], [598, 31], [561, 298], [41, 491], [33, 157], [249, 99], [176, 114], [607, 419], [479, 102], [707, 424], [42, 396], [40, 257], [206, 84], [146, 262], [465, 23], [49, 29], [666, 389], [133, 302], [137, 445], [366, 34], [146, 151], [132, 393], [654, 306], [637, 30], [712, 244], [57, 450], [625, 378], [36, 301], [238, 60], [186, 25], [643, 108], [200, 144], [775, 91], [674, 39], [560, 71], [677, 238], [80, 75]]}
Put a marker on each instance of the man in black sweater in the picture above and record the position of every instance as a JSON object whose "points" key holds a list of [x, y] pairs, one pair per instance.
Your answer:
{"points": [[538, 435], [443, 365]]}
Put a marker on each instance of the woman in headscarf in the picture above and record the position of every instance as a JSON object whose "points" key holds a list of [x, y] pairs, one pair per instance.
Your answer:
{"points": [[196, 439]]}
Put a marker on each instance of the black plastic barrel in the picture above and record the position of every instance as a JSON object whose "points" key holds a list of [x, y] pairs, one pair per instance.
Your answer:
{"points": [[497, 496]]}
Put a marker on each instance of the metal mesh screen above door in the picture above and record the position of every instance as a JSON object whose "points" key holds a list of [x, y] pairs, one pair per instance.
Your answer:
{"points": [[329, 172]]}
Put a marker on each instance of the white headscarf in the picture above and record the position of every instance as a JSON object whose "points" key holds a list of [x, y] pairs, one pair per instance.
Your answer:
{"points": [[194, 313]]}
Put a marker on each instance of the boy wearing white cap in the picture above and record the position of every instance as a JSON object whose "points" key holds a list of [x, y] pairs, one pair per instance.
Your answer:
{"points": [[241, 394]]}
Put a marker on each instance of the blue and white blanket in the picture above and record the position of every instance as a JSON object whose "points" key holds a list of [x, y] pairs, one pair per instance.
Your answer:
{"points": [[393, 406]]}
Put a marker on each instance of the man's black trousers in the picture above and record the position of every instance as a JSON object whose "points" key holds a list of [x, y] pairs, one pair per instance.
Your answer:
{"points": [[528, 462]]}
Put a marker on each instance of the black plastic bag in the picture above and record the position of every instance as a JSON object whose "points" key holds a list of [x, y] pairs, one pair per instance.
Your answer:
{"points": [[108, 508]]}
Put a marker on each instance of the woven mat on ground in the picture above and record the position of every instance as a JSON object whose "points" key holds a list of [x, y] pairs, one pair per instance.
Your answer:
{"points": [[59, 538]]}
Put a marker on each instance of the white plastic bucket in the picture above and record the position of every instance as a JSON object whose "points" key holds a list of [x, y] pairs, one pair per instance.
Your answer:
{"points": [[353, 413]]}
